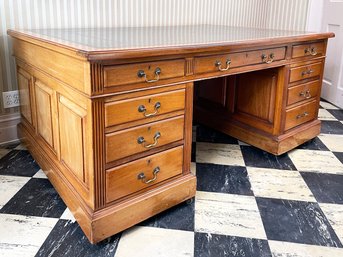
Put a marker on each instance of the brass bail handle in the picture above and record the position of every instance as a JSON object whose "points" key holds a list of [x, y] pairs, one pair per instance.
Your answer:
{"points": [[141, 74], [141, 140], [142, 109], [141, 176], [311, 51], [219, 65], [268, 59]]}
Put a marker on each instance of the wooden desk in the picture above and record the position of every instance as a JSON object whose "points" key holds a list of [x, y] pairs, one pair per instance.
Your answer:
{"points": [[107, 113]]}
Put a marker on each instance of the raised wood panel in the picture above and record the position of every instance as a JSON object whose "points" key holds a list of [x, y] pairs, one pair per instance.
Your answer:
{"points": [[213, 90], [44, 99], [24, 84], [72, 124]]}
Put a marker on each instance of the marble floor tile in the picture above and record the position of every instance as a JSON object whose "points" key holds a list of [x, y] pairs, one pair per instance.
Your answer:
{"points": [[338, 114], [180, 217], [23, 235], [326, 188], [194, 133], [212, 245], [334, 213], [9, 186], [333, 142], [67, 215], [297, 222], [155, 242], [193, 152], [18, 163], [242, 143], [331, 127], [3, 152], [327, 105], [285, 249], [223, 179], [67, 239], [272, 183], [20, 147], [40, 174], [228, 214], [313, 144], [36, 198], [225, 154], [325, 115], [339, 156], [258, 158], [193, 168], [206, 134], [316, 161]]}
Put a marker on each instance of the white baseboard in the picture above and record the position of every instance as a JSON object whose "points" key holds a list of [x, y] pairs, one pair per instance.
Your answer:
{"points": [[8, 128]]}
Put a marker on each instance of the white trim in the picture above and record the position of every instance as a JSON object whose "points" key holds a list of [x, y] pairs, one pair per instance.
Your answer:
{"points": [[314, 15], [8, 128]]}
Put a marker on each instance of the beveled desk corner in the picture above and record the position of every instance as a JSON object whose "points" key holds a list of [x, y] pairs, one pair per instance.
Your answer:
{"points": [[107, 113]]}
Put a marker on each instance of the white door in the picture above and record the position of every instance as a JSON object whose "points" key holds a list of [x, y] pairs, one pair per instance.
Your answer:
{"points": [[333, 74]]}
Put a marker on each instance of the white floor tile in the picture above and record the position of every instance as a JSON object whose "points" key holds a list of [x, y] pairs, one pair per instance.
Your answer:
{"points": [[242, 143], [225, 154], [285, 249], [316, 161], [325, 115], [22, 235], [281, 184], [40, 174], [333, 142], [20, 147], [328, 105], [3, 152], [228, 214], [155, 242], [193, 168], [9, 186], [334, 213], [67, 215]]}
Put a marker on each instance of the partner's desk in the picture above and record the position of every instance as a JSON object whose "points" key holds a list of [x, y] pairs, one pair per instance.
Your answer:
{"points": [[107, 113]]}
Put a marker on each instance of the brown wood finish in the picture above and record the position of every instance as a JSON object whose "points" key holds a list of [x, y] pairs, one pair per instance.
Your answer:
{"points": [[80, 117]]}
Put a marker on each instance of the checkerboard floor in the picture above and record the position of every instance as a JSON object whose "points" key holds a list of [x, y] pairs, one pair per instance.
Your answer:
{"points": [[248, 203]]}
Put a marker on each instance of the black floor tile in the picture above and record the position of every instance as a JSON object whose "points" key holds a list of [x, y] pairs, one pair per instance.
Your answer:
{"points": [[67, 239], [338, 114], [331, 127], [296, 221], [326, 188], [206, 134], [254, 157], [339, 155], [36, 198], [211, 245], [223, 179], [193, 153], [10, 145], [313, 144], [18, 163], [180, 217]]}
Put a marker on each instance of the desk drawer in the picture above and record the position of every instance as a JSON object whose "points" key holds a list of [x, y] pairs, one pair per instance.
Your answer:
{"points": [[143, 107], [303, 92], [137, 175], [147, 72], [211, 63], [305, 72], [308, 50], [301, 114], [143, 138]]}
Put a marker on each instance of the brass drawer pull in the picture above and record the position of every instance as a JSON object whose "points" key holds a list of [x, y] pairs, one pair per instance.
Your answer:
{"points": [[267, 59], [141, 140], [311, 51], [307, 72], [142, 109], [219, 65], [306, 94], [141, 74], [299, 116], [142, 177]]}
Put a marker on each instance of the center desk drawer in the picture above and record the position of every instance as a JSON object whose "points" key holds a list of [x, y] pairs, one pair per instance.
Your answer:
{"points": [[143, 107], [225, 62], [143, 72], [305, 72], [143, 138], [137, 175], [301, 114]]}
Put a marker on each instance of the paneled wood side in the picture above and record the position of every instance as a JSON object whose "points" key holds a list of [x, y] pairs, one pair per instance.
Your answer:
{"points": [[25, 92]]}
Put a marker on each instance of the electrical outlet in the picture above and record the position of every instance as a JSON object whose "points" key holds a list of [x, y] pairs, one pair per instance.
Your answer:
{"points": [[11, 99]]}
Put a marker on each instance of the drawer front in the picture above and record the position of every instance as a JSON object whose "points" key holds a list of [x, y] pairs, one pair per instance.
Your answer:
{"points": [[148, 72], [303, 92], [211, 63], [143, 138], [305, 72], [301, 114], [137, 175], [143, 108], [308, 50]]}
